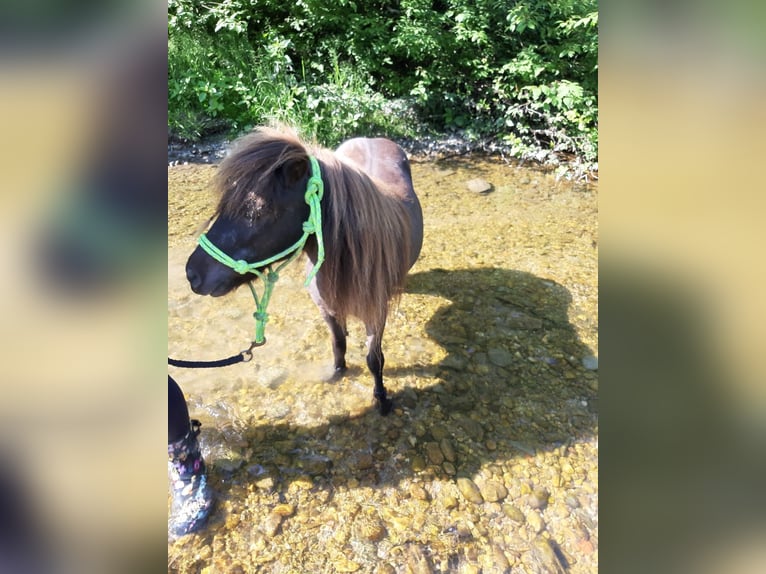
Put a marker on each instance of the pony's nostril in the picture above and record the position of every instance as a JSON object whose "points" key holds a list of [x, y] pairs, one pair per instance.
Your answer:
{"points": [[194, 279]]}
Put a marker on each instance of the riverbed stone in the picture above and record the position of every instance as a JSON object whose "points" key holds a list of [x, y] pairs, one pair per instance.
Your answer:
{"points": [[500, 357], [538, 499], [469, 490], [434, 453], [492, 490], [513, 513], [478, 185], [447, 450]]}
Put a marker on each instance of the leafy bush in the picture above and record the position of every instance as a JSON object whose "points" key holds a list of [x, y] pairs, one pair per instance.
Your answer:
{"points": [[524, 73]]}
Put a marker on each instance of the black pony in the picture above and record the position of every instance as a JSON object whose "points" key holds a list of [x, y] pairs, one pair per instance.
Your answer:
{"points": [[371, 226]]}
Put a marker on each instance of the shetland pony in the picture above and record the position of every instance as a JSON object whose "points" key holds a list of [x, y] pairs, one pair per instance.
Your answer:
{"points": [[372, 227]]}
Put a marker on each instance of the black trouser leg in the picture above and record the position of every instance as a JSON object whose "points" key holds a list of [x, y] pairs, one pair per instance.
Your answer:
{"points": [[178, 412]]}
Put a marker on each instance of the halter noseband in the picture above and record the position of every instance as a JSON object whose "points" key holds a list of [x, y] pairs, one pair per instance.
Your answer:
{"points": [[313, 196]]}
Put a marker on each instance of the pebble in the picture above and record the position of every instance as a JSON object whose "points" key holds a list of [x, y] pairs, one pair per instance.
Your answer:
{"points": [[539, 498], [478, 185], [284, 509], [434, 453], [449, 468], [371, 529], [439, 432], [536, 522], [472, 428], [513, 513], [419, 493], [232, 520], [418, 463], [500, 357], [469, 490], [493, 491], [449, 502], [271, 524], [447, 450], [343, 564]]}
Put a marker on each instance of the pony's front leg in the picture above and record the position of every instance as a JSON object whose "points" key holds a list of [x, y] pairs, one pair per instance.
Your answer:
{"points": [[339, 333], [375, 362]]}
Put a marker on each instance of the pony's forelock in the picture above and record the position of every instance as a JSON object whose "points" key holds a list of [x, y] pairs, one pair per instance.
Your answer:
{"points": [[251, 163]]}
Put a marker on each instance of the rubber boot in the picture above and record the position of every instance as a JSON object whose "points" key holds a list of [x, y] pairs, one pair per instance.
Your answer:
{"points": [[192, 497]]}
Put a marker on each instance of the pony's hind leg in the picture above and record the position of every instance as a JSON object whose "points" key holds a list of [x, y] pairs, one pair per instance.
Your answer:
{"points": [[375, 362]]}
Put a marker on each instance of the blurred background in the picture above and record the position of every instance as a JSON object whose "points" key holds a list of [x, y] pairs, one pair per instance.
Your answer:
{"points": [[683, 417], [83, 481]]}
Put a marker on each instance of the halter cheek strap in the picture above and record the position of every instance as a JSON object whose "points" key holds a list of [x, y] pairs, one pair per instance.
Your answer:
{"points": [[313, 197]]}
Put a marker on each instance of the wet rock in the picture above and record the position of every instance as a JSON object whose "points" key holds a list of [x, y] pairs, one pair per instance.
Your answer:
{"points": [[449, 468], [362, 461], [496, 561], [493, 491], [371, 528], [314, 465], [232, 521], [447, 450], [449, 502], [419, 493], [478, 185], [535, 522], [434, 453], [455, 362], [418, 463], [343, 564], [472, 428], [513, 513], [439, 431], [539, 498], [500, 357], [469, 490], [265, 484], [284, 509], [270, 525], [523, 322]]}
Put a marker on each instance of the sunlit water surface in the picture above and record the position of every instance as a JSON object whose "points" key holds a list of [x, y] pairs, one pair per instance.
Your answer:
{"points": [[489, 460]]}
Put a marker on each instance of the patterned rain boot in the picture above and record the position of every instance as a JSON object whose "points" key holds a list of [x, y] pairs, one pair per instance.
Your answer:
{"points": [[192, 497]]}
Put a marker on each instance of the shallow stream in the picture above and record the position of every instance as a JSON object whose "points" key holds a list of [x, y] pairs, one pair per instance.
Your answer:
{"points": [[489, 461]]}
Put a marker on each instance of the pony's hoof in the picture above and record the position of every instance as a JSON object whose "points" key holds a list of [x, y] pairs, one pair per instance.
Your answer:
{"points": [[337, 375], [385, 405]]}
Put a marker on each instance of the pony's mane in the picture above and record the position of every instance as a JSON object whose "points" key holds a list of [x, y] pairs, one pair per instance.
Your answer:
{"points": [[251, 163], [366, 227]]}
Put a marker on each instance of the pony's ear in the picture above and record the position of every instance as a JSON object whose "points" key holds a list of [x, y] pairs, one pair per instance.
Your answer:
{"points": [[295, 170]]}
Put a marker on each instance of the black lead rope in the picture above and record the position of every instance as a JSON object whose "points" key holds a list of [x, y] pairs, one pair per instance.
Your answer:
{"points": [[206, 364], [241, 357]]}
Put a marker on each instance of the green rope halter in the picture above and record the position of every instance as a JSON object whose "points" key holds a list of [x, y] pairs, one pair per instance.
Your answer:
{"points": [[313, 196]]}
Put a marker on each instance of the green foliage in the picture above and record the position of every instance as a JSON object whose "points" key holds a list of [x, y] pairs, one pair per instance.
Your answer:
{"points": [[523, 73]]}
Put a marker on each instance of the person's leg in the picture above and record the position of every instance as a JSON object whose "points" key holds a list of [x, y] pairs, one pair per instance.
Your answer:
{"points": [[192, 497], [178, 412]]}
